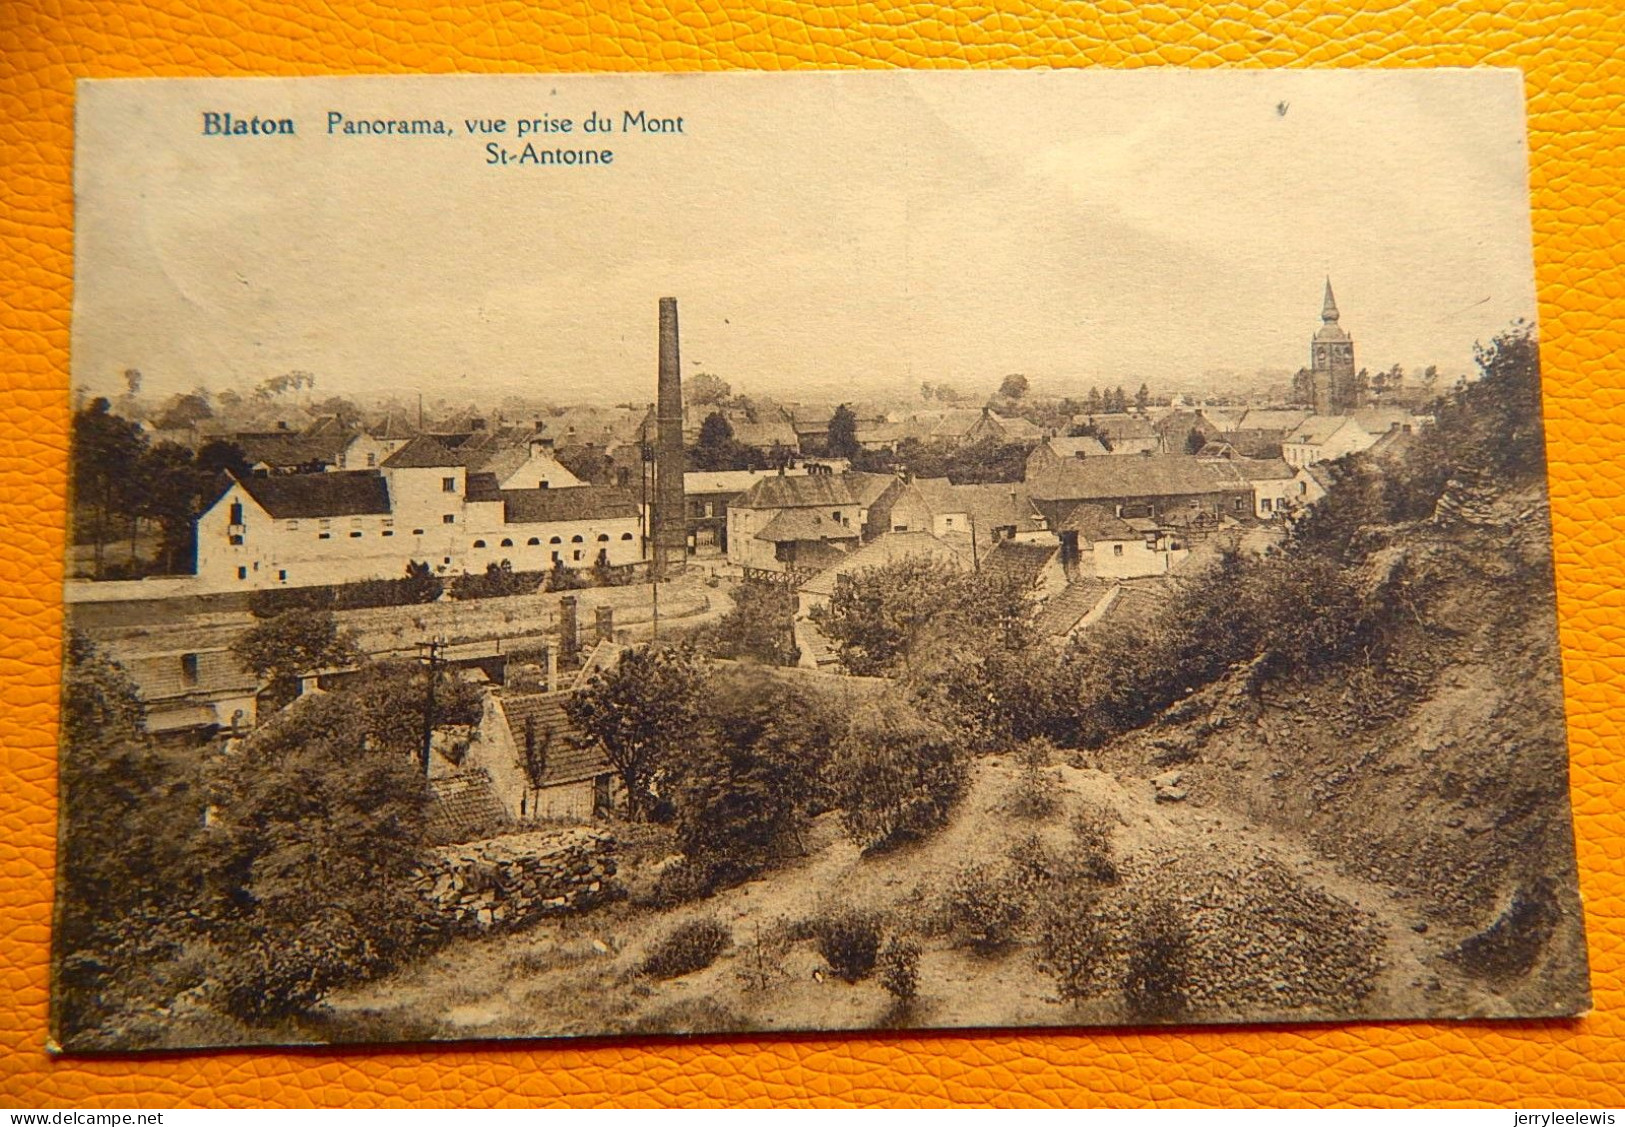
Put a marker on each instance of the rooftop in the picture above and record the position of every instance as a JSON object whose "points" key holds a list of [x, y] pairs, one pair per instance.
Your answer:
{"points": [[572, 755], [345, 493]]}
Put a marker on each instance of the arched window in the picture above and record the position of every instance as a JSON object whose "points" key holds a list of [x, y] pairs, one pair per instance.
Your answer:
{"points": [[479, 543], [626, 536], [575, 539], [603, 538], [507, 543], [534, 541], [555, 540]]}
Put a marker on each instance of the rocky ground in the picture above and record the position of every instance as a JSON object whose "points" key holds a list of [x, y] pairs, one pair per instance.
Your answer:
{"points": [[1276, 933]]}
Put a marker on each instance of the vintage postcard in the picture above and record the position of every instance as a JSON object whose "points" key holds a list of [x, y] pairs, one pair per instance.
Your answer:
{"points": [[622, 555]]}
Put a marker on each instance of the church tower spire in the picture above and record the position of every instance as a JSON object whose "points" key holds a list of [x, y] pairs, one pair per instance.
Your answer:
{"points": [[1328, 308]]}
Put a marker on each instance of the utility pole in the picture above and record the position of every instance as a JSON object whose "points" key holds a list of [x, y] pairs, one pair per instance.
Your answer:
{"points": [[428, 706], [655, 634]]}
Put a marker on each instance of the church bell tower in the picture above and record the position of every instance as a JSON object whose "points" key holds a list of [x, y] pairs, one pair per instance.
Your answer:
{"points": [[1331, 362]]}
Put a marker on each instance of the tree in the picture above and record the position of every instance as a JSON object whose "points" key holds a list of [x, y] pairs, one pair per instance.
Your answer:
{"points": [[1015, 386], [705, 389], [885, 618], [1142, 398], [168, 490], [183, 412], [927, 392], [894, 775], [1095, 402], [843, 432], [760, 627], [1195, 441], [422, 585], [750, 777], [644, 712], [279, 650], [323, 805], [131, 816], [105, 453], [717, 449]]}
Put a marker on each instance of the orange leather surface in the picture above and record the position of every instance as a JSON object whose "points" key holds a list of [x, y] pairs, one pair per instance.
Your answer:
{"points": [[1574, 59]]}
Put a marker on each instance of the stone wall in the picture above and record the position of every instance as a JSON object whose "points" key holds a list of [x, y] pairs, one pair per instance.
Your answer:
{"points": [[505, 882]]}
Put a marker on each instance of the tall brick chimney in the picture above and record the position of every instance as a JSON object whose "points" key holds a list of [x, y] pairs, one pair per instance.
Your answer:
{"points": [[569, 646], [670, 523]]}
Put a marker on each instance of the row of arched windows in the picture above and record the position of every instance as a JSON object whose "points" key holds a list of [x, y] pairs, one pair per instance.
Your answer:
{"points": [[536, 541]]}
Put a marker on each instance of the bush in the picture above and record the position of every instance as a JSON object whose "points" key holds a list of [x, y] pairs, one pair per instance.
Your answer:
{"points": [[984, 907], [682, 882], [1035, 788], [693, 946], [895, 776], [419, 585], [760, 626], [497, 582], [1092, 829], [849, 941], [1158, 975], [900, 969], [1075, 944]]}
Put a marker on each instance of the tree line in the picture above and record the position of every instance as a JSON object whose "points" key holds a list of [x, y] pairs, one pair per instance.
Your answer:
{"points": [[121, 481]]}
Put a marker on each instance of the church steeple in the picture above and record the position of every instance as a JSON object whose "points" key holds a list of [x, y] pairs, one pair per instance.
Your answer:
{"points": [[1331, 362], [1328, 309]]}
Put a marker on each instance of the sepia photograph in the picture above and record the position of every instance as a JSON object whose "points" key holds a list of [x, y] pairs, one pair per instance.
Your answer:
{"points": [[645, 555]]}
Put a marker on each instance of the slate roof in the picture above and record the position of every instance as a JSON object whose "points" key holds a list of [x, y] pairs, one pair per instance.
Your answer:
{"points": [[1317, 429], [583, 502], [426, 451], [159, 676], [1092, 523], [1259, 469], [1273, 419], [805, 524], [725, 481], [1121, 426], [1380, 420], [1138, 475], [1086, 444], [883, 550], [290, 448], [815, 491], [572, 755], [1023, 563], [346, 493], [989, 505], [1016, 427]]}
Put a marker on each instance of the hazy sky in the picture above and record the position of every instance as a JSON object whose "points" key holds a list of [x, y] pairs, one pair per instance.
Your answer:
{"points": [[827, 235]]}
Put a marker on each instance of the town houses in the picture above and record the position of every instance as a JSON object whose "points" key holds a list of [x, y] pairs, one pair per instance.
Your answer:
{"points": [[1087, 512]]}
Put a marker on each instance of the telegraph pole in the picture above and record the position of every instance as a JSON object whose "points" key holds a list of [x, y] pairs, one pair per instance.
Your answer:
{"points": [[428, 706]]}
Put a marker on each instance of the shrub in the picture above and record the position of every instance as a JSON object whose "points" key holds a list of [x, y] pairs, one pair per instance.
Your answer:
{"points": [[759, 627], [900, 969], [984, 907], [1157, 979], [1092, 844], [693, 946], [498, 581], [743, 789], [895, 776], [683, 881], [849, 941], [1074, 945]]}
